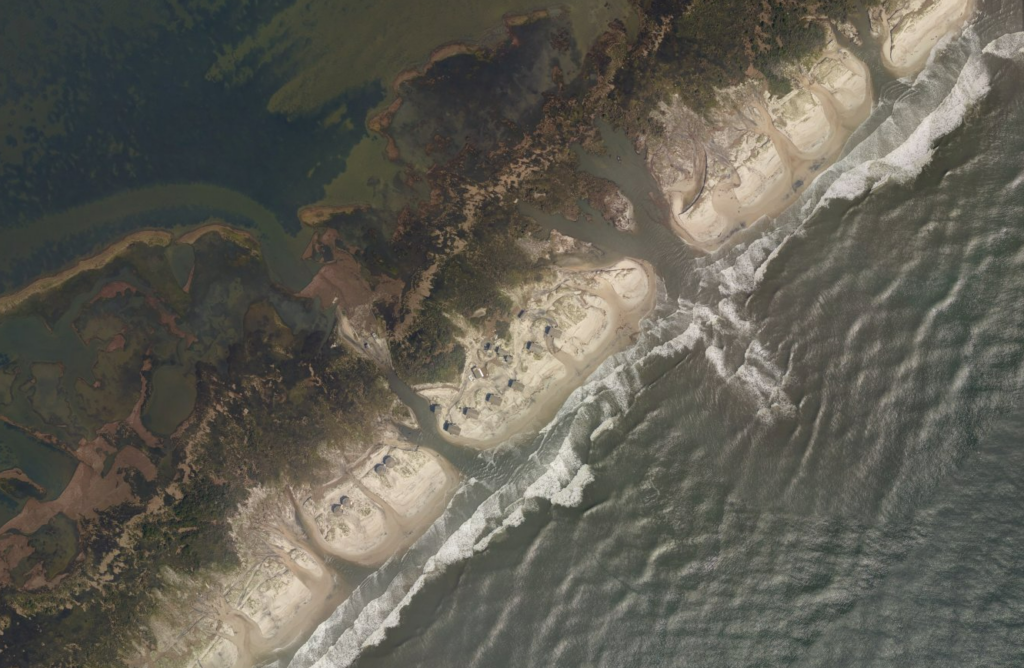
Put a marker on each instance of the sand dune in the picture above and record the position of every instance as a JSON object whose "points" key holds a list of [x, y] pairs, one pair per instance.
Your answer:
{"points": [[285, 585], [754, 157], [762, 151], [569, 324]]}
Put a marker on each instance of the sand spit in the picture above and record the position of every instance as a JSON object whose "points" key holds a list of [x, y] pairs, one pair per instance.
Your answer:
{"points": [[45, 284], [910, 29], [318, 214], [290, 543], [562, 329], [97, 261]]}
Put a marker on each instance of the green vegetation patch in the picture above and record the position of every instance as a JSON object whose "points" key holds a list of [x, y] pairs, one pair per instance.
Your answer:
{"points": [[712, 44], [429, 353], [492, 261]]}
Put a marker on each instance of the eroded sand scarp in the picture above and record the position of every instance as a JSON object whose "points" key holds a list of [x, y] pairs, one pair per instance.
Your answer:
{"points": [[561, 330]]}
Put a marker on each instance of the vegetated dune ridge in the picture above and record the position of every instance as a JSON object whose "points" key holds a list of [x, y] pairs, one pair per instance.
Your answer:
{"points": [[291, 541], [755, 153]]}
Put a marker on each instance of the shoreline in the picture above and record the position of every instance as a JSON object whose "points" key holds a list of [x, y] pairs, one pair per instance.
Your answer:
{"points": [[907, 35], [384, 512], [774, 149], [291, 542], [564, 327], [55, 280], [99, 260]]}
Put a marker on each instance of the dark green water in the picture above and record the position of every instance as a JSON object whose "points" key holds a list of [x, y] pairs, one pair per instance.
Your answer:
{"points": [[814, 456], [45, 465]]}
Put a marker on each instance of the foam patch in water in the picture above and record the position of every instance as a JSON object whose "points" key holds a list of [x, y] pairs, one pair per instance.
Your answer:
{"points": [[602, 428], [571, 495]]}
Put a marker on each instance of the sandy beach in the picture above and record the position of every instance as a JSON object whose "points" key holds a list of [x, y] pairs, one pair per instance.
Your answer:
{"points": [[909, 31], [366, 516], [757, 153], [287, 541], [567, 327]]}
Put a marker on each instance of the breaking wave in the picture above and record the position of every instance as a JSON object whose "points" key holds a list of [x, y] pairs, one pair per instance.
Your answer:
{"points": [[905, 162], [555, 474], [896, 150], [906, 132]]}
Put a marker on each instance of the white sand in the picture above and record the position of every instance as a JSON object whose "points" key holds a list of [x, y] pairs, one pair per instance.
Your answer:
{"points": [[284, 587], [230, 621], [761, 153], [387, 511]]}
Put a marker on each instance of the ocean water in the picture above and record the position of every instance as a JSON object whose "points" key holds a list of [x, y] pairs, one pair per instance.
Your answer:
{"points": [[813, 455]]}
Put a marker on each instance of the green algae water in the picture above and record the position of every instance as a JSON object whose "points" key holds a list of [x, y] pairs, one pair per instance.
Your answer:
{"points": [[814, 454]]}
